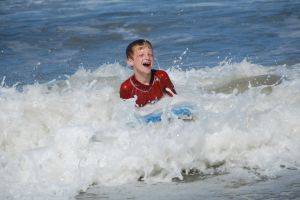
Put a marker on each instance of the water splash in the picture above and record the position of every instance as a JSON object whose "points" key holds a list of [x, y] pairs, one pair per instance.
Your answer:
{"points": [[60, 137]]}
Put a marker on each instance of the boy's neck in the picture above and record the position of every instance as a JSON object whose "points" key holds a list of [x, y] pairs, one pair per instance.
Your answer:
{"points": [[143, 78]]}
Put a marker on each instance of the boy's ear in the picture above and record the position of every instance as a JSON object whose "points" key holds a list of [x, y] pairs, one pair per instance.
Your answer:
{"points": [[129, 62]]}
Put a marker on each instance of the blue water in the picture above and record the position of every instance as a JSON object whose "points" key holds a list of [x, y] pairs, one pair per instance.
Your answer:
{"points": [[44, 40]]}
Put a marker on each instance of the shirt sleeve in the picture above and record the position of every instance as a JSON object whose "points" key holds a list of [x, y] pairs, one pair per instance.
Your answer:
{"points": [[125, 91], [167, 83]]}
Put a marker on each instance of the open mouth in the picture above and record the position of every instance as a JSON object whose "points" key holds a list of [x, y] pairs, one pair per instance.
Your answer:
{"points": [[146, 64]]}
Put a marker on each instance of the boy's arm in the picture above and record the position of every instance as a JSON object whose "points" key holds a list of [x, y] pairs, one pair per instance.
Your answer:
{"points": [[167, 83], [125, 91]]}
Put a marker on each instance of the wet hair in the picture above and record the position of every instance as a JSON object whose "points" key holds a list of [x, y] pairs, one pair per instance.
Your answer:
{"points": [[139, 42]]}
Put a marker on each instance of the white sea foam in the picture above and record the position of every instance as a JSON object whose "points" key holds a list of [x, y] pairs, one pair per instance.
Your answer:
{"points": [[58, 138]]}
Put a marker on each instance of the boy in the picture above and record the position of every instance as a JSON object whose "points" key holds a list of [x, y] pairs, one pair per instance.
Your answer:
{"points": [[146, 84]]}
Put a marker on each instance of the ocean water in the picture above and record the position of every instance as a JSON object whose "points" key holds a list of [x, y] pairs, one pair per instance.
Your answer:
{"points": [[65, 133]]}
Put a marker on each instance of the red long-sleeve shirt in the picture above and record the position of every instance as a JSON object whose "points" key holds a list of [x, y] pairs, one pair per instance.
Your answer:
{"points": [[160, 84]]}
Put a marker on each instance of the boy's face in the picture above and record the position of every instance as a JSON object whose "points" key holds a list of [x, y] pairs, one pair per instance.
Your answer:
{"points": [[142, 59]]}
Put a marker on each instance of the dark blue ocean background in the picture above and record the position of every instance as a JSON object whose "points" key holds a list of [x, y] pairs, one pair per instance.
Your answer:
{"points": [[42, 40]]}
